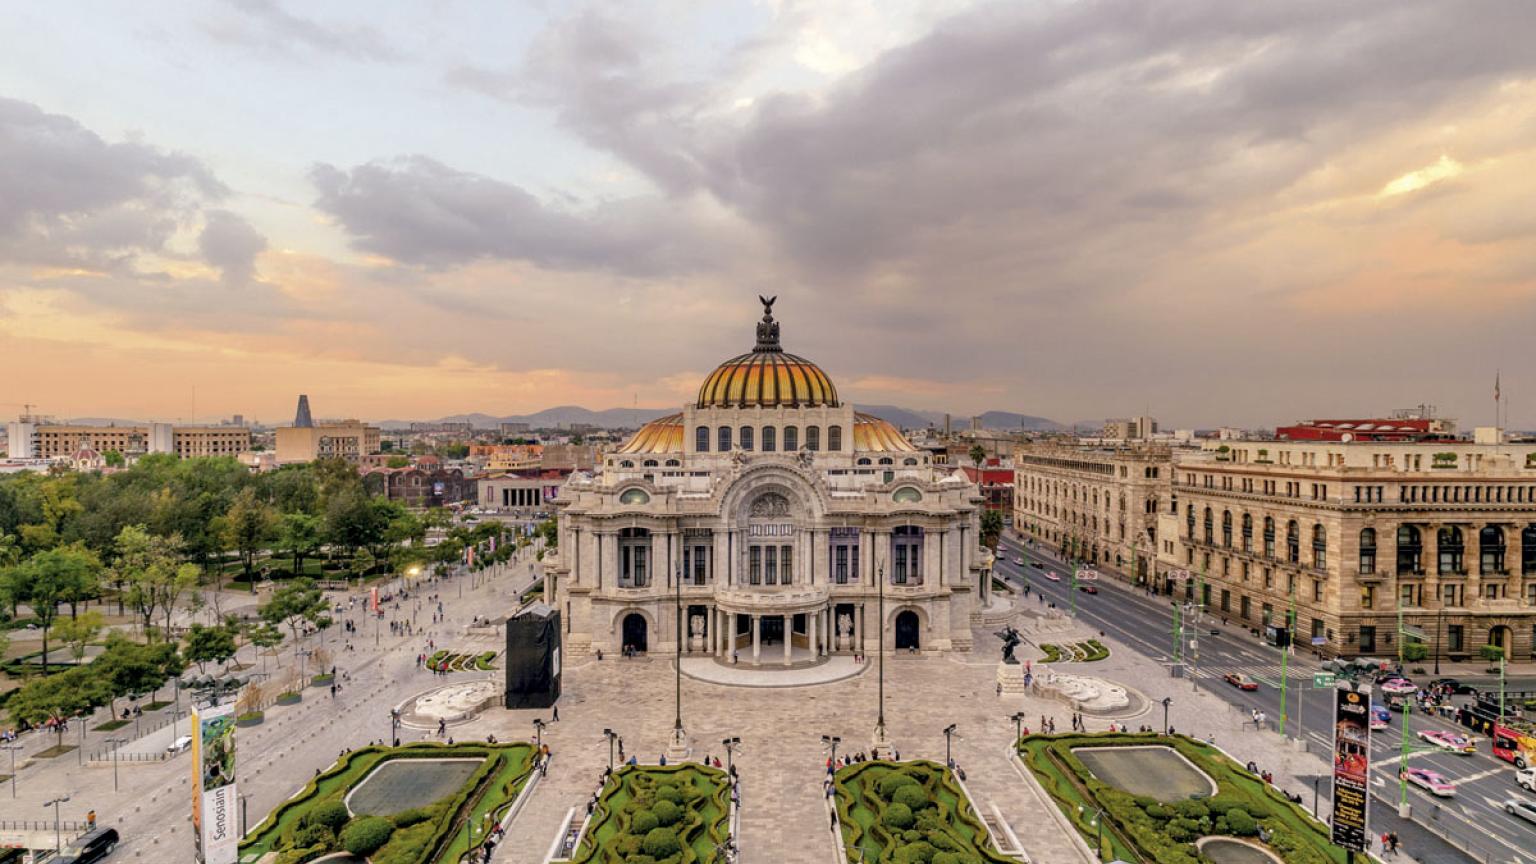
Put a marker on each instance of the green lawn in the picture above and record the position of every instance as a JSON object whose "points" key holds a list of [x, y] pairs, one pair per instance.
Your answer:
{"points": [[493, 788], [1139, 828], [632, 808], [909, 811]]}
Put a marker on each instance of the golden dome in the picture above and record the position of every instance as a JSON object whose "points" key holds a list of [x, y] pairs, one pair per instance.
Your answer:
{"points": [[662, 435], [871, 434], [767, 377]]}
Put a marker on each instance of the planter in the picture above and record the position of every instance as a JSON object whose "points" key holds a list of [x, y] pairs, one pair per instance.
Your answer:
{"points": [[249, 719], [322, 680], [289, 698]]}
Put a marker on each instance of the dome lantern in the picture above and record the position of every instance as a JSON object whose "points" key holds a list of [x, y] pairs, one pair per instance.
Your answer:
{"points": [[768, 377]]}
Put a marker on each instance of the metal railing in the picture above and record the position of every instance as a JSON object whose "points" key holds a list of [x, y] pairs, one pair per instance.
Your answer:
{"points": [[42, 825]]}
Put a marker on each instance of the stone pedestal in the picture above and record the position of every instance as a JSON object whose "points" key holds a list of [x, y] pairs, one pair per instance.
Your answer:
{"points": [[1011, 677], [678, 747], [696, 644], [880, 745]]}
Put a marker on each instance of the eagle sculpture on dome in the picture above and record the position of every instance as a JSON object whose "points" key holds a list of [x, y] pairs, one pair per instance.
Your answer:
{"points": [[768, 329]]}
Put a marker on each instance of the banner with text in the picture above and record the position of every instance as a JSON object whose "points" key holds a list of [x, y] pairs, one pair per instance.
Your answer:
{"points": [[1351, 768], [213, 784]]}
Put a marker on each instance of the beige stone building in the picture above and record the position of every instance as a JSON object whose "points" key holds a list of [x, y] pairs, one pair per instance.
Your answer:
{"points": [[1353, 531], [346, 439], [1099, 503], [62, 441], [777, 512]]}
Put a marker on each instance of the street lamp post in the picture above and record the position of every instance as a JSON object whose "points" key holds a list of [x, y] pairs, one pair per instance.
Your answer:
{"points": [[949, 734], [880, 637], [13, 748], [611, 736], [830, 742], [538, 734], [1439, 617], [677, 613], [731, 745], [58, 833], [1018, 727], [116, 743], [1098, 824], [394, 726], [1167, 700]]}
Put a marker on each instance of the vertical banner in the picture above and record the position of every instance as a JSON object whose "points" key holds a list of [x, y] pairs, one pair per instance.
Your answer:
{"points": [[213, 784], [1351, 768], [373, 598]]}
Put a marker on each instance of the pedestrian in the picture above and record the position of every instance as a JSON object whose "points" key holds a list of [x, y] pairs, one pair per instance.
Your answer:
{"points": [[557, 714], [999, 689]]}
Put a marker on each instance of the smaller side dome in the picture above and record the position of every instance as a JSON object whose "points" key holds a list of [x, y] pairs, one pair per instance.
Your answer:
{"points": [[662, 435], [873, 435]]}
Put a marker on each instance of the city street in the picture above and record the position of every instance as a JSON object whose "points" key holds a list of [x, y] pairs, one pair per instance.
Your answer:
{"points": [[1473, 820]]}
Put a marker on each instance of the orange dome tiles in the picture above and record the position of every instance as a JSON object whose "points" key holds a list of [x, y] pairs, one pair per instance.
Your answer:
{"points": [[662, 435], [767, 379], [871, 434]]}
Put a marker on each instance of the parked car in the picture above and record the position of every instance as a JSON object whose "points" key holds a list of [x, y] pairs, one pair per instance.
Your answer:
{"points": [[1019, 561], [91, 846], [1522, 808], [1432, 782], [1526, 778], [1456, 687], [1088, 589], [180, 745], [1448, 741], [1397, 685], [1240, 681]]}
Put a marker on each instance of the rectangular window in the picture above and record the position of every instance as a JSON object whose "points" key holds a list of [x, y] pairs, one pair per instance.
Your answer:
{"points": [[1491, 591], [1317, 590], [1408, 595], [1454, 638], [1367, 639], [1317, 628], [1451, 595], [1367, 596], [1226, 600], [786, 564], [755, 568], [1247, 606], [899, 575], [840, 564], [770, 565]]}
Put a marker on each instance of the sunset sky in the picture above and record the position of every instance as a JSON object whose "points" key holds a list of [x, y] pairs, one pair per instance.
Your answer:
{"points": [[1214, 211]]}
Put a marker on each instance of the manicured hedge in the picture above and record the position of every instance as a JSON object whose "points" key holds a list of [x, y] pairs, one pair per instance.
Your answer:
{"points": [[909, 811], [659, 811], [1084, 652], [1164, 833]]}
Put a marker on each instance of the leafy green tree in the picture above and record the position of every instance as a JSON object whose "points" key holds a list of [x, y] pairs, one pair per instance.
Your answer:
{"points": [[978, 455], [247, 527], [265, 638], [297, 602], [149, 567], [991, 528], [114, 459], [80, 631], [352, 521], [127, 668], [298, 534], [53, 577], [549, 531], [398, 462], [53, 697], [209, 645]]}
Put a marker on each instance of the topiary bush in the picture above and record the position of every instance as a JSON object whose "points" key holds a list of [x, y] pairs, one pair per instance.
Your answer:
{"points": [[661, 843], [644, 823], [409, 817], [331, 814], [668, 792], [899, 816], [666, 812], [1242, 824], [888, 784], [912, 796], [365, 835]]}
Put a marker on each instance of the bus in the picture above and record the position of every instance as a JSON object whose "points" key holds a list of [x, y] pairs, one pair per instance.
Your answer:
{"points": [[1515, 741]]}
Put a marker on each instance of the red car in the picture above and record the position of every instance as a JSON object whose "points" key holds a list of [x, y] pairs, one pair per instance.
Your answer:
{"points": [[1240, 681], [1088, 589]]}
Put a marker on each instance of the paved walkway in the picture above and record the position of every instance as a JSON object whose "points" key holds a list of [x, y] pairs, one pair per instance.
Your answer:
{"points": [[832, 669]]}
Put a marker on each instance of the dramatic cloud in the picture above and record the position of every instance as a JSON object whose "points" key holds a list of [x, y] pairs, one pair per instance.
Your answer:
{"points": [[266, 25], [229, 243], [69, 198], [419, 211]]}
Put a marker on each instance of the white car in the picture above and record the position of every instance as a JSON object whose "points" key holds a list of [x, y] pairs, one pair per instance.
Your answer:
{"points": [[1522, 808], [1526, 778], [1449, 741]]}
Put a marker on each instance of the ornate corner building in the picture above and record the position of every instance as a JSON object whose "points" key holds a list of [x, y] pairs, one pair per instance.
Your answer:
{"points": [[769, 513]]}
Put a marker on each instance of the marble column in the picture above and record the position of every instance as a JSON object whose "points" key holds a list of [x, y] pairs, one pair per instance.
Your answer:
{"points": [[789, 638], [811, 618], [757, 638]]}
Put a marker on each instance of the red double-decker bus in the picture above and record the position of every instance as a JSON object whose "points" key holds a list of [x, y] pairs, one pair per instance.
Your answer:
{"points": [[1515, 741]]}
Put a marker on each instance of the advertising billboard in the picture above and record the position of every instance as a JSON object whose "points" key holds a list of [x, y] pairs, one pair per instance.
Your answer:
{"points": [[1351, 767], [213, 784]]}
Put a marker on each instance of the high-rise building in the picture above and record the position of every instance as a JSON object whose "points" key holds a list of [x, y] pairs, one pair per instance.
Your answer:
{"points": [[301, 418]]}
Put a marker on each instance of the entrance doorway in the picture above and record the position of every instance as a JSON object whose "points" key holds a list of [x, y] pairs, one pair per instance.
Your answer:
{"points": [[1501, 636], [634, 631], [907, 628], [773, 629]]}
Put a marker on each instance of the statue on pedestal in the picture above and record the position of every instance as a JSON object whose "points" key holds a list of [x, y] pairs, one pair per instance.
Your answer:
{"points": [[1011, 639]]}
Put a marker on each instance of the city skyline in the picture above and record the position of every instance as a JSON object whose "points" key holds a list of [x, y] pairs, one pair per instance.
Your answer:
{"points": [[1218, 213]]}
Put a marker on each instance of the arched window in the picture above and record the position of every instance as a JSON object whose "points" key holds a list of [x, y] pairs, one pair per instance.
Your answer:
{"points": [[725, 439], [1226, 528], [864, 461], [909, 461], [1210, 526], [835, 439], [1269, 536], [813, 437], [791, 439], [1452, 549], [1293, 542], [701, 439], [1490, 544], [1189, 521], [1367, 551], [770, 439], [1410, 551], [673, 463], [650, 463], [1247, 533], [626, 464], [744, 435], [1528, 551], [1319, 547], [886, 460]]}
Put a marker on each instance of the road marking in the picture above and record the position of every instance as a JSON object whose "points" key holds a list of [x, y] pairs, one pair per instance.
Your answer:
{"points": [[1480, 775]]}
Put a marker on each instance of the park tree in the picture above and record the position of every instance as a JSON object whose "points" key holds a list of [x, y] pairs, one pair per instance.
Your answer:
{"points": [[978, 455], [151, 571], [352, 521], [265, 638], [298, 534], [247, 527], [71, 693], [297, 602], [991, 528], [53, 577], [80, 631], [206, 645]]}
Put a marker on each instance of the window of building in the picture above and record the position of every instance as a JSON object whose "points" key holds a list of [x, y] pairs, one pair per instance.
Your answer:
{"points": [[770, 439], [1455, 638], [786, 565], [1317, 590], [1269, 537], [1451, 550], [907, 555], [835, 439], [725, 439], [1367, 596], [1246, 606], [1247, 535], [744, 435], [1226, 600], [1317, 628], [1293, 542], [1367, 550], [1493, 590], [1367, 639], [701, 439], [698, 557], [1410, 551], [791, 439], [845, 555], [1210, 526], [1226, 528], [1450, 595], [1409, 595], [634, 557], [1528, 550], [1189, 520], [813, 437], [1490, 545], [1269, 578], [1319, 547]]}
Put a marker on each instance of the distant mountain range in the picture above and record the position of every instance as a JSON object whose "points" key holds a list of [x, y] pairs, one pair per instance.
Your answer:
{"points": [[613, 418]]}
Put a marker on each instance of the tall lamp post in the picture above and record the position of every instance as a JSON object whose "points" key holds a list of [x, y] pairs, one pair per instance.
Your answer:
{"points": [[13, 748], [731, 745], [538, 734], [612, 736], [1167, 700], [394, 726], [880, 637], [1018, 727], [949, 734], [58, 833], [116, 743], [830, 742], [677, 612]]}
